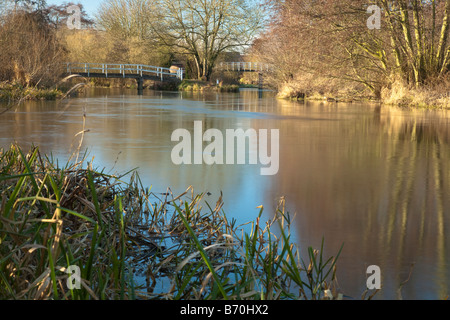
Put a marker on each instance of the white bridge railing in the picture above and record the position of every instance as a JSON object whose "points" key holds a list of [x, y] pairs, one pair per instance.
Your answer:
{"points": [[123, 69], [244, 66]]}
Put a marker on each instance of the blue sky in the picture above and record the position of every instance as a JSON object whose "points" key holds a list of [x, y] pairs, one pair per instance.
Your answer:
{"points": [[90, 6]]}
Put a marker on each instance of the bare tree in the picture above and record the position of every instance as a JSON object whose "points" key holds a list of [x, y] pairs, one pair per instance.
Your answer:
{"points": [[29, 5], [412, 43], [30, 51], [126, 18], [420, 50], [203, 29], [128, 27], [200, 29], [58, 15]]}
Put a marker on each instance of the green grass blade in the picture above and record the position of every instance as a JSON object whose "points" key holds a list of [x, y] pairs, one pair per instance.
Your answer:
{"points": [[202, 252]]}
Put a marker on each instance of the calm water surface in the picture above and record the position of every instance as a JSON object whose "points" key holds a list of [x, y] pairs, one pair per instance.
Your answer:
{"points": [[374, 178]]}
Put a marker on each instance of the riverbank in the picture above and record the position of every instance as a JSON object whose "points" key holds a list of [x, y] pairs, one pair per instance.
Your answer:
{"points": [[185, 85], [397, 94], [203, 86], [13, 92], [126, 242]]}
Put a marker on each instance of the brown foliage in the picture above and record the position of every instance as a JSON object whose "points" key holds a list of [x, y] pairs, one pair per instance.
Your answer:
{"points": [[30, 52], [309, 41]]}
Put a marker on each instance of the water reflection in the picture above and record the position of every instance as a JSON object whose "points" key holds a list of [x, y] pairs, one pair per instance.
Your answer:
{"points": [[374, 178], [379, 183]]}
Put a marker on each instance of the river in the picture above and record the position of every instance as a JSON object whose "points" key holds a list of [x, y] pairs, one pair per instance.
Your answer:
{"points": [[373, 178]]}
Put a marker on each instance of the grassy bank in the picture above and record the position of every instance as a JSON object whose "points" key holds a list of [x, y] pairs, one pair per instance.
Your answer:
{"points": [[12, 92], [434, 96], [399, 94], [185, 85], [131, 243], [202, 86], [129, 84]]}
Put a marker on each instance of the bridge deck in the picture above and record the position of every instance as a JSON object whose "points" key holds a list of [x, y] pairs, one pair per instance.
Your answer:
{"points": [[136, 71], [126, 76]]}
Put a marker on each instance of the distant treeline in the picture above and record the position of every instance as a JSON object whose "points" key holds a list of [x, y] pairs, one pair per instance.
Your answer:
{"points": [[396, 51]]}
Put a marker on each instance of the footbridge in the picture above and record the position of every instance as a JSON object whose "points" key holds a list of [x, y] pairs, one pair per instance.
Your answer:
{"points": [[258, 67], [135, 71], [145, 72], [245, 66]]}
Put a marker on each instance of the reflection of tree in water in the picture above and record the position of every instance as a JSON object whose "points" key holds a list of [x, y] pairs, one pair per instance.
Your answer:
{"points": [[380, 183], [420, 193]]}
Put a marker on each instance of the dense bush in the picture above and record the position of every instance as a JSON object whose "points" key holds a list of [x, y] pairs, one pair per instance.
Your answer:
{"points": [[30, 54]]}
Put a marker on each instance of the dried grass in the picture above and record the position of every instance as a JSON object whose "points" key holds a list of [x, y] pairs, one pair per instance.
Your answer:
{"points": [[435, 94]]}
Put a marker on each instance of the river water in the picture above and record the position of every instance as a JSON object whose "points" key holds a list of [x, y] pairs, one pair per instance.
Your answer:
{"points": [[373, 178]]}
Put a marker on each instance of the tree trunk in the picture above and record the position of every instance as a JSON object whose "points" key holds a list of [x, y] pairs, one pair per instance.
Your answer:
{"points": [[406, 29], [442, 47], [418, 35]]}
